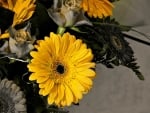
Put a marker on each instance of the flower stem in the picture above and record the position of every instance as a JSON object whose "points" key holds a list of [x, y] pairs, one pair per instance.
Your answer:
{"points": [[61, 30]]}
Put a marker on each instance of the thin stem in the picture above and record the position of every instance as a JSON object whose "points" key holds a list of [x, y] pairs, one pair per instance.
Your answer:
{"points": [[126, 28], [147, 36], [136, 39], [61, 30]]}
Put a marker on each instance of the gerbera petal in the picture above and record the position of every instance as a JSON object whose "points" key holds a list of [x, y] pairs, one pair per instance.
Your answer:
{"points": [[97, 8], [86, 73], [69, 96], [52, 95], [77, 93], [41, 91], [44, 84], [86, 65], [42, 79], [33, 76], [48, 88], [87, 83], [63, 102], [23, 9], [61, 91]]}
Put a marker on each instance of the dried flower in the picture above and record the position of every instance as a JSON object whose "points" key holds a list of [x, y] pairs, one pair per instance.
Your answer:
{"points": [[11, 98]]}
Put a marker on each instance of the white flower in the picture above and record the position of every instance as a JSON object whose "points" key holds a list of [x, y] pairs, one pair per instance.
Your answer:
{"points": [[67, 13], [20, 42]]}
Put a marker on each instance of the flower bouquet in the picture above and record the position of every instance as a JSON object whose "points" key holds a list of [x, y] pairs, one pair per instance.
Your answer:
{"points": [[49, 50]]}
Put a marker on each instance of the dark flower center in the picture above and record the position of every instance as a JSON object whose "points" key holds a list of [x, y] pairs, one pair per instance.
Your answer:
{"points": [[116, 42], [4, 107], [60, 69]]}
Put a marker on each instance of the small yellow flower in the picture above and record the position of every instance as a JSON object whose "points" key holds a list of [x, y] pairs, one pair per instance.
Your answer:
{"points": [[63, 69], [97, 8], [23, 9]]}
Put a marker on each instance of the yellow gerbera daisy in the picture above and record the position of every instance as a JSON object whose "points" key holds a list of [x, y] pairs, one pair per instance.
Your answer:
{"points": [[63, 69], [23, 9], [97, 8]]}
